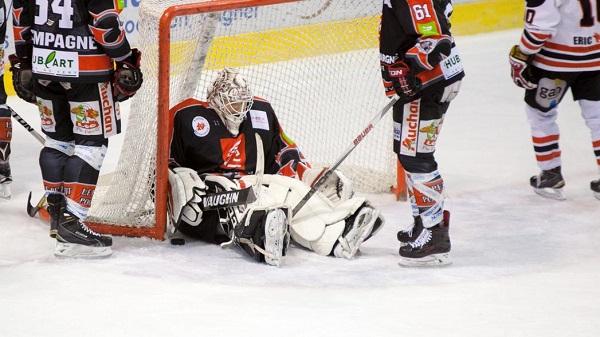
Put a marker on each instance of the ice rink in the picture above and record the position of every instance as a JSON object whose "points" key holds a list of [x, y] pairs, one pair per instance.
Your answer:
{"points": [[523, 265]]}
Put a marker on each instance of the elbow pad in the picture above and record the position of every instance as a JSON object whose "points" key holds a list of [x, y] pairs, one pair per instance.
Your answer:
{"points": [[429, 52]]}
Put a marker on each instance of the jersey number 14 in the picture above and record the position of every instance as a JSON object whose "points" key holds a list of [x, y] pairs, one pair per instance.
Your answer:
{"points": [[65, 10]]}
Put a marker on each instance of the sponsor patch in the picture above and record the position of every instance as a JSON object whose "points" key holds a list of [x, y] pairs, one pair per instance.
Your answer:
{"points": [[397, 131], [428, 134], [55, 62], [259, 119], [233, 152], [410, 128], [452, 65], [110, 112], [550, 92], [46, 114], [200, 126], [86, 118]]}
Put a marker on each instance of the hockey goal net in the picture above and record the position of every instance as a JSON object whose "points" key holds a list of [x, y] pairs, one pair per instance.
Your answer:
{"points": [[316, 61]]}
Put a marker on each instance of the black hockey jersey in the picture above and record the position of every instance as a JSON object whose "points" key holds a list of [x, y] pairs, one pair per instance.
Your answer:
{"points": [[202, 142], [70, 40], [404, 22]]}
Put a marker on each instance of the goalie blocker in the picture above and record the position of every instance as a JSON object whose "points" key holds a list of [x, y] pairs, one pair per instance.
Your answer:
{"points": [[336, 225]]}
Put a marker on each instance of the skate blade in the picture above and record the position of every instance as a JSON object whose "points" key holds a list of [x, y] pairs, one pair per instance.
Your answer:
{"points": [[275, 238], [434, 260], [550, 193], [5, 191], [80, 251]]}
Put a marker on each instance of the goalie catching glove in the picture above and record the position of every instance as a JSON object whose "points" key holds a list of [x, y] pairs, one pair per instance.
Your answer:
{"points": [[22, 77], [336, 188], [128, 77], [520, 71]]}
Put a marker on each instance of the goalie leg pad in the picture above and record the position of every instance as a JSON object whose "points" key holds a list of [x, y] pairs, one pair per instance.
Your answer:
{"points": [[359, 228], [263, 234]]}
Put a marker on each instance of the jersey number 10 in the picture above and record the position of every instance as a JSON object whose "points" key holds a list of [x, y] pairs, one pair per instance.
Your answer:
{"points": [[588, 17], [65, 11]]}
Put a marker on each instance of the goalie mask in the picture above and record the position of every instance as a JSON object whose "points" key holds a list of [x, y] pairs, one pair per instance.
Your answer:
{"points": [[231, 98]]}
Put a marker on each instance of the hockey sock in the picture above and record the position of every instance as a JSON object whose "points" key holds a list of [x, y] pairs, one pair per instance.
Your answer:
{"points": [[426, 190], [590, 110], [545, 136], [81, 174]]}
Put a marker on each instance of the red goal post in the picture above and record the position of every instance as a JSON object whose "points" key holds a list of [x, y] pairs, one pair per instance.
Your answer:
{"points": [[158, 188]]}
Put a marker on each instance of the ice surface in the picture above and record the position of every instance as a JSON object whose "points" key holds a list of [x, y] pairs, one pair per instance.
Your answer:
{"points": [[523, 266]]}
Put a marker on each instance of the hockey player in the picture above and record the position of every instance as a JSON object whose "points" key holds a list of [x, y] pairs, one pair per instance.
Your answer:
{"points": [[419, 63], [559, 49], [214, 149], [5, 121], [75, 63]]}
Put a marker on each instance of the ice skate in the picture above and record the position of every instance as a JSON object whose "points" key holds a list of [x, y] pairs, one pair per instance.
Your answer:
{"points": [[56, 203], [359, 228], [595, 186], [264, 235], [549, 184], [5, 187], [5, 179], [430, 248], [406, 236], [75, 239]]}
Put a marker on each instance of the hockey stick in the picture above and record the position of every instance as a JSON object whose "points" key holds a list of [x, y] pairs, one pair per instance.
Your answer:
{"points": [[31, 210], [257, 186], [26, 125], [359, 138]]}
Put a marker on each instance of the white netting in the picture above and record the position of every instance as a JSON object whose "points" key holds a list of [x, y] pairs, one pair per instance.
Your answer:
{"points": [[316, 61]]}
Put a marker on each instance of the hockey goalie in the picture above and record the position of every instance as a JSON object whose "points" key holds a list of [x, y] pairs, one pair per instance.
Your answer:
{"points": [[235, 178]]}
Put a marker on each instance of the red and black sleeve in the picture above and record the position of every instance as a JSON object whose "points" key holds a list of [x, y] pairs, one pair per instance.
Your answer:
{"points": [[106, 28]]}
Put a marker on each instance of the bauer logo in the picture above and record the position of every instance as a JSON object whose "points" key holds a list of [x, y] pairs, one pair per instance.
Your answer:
{"points": [[200, 126]]}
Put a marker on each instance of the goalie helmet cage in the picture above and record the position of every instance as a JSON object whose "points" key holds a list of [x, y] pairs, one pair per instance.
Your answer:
{"points": [[316, 61]]}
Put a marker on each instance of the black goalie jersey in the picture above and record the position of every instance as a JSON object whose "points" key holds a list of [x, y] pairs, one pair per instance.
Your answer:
{"points": [[202, 142]]}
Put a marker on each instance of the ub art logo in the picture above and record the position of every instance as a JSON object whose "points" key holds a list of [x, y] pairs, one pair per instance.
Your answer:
{"points": [[85, 117]]}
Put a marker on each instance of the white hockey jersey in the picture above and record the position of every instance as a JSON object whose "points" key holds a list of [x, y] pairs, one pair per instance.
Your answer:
{"points": [[564, 34]]}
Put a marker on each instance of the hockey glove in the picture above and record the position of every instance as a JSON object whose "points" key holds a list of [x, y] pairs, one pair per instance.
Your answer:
{"points": [[520, 71], [398, 78], [336, 188], [128, 77], [22, 77]]}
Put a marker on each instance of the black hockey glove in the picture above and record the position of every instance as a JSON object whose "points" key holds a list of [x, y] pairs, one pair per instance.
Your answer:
{"points": [[520, 70], [399, 79], [22, 78], [128, 77]]}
